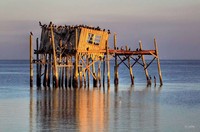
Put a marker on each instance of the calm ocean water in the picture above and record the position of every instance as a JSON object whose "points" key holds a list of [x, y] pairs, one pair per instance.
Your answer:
{"points": [[173, 107]]}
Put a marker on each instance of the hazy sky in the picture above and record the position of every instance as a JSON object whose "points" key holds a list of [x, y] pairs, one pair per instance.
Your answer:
{"points": [[175, 23]]}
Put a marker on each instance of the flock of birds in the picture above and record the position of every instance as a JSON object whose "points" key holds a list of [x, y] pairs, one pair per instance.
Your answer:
{"points": [[71, 27]]}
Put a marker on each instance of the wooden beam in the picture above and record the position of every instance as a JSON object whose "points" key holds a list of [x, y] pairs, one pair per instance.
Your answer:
{"points": [[150, 62], [122, 61], [136, 61]]}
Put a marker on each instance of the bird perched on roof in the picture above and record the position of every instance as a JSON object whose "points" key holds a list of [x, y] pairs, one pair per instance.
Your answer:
{"points": [[50, 24], [108, 31], [98, 28], [40, 23]]}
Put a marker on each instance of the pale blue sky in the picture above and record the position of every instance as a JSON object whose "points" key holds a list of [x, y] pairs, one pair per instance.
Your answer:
{"points": [[175, 23]]}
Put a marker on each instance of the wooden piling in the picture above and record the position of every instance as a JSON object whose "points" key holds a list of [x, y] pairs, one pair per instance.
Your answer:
{"points": [[55, 72], [59, 76], [144, 64], [99, 73], [108, 64], [116, 79], [70, 73], [62, 78], [104, 70], [31, 60], [84, 77], [154, 81], [75, 76], [88, 72], [66, 72], [130, 69], [80, 76], [60, 63], [38, 65], [94, 73], [45, 71], [49, 71], [158, 62]]}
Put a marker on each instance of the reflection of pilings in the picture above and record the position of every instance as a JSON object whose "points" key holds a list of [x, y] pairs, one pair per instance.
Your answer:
{"points": [[31, 109], [87, 107]]}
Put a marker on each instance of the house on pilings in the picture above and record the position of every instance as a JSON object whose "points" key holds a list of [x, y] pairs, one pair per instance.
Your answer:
{"points": [[69, 53], [88, 39], [68, 56]]}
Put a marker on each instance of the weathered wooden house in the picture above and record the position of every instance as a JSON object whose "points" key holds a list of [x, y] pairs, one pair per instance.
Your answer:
{"points": [[88, 39]]}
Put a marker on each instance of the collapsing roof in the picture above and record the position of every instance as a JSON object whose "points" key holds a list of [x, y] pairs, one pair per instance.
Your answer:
{"points": [[89, 38]]}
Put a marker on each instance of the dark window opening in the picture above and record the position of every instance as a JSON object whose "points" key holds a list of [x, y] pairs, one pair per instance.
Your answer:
{"points": [[94, 39], [90, 38]]}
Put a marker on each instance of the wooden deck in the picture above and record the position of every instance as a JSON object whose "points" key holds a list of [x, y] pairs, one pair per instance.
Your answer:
{"points": [[128, 52]]}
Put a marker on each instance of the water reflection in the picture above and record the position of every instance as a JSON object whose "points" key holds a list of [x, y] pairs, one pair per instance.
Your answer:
{"points": [[97, 110], [136, 109], [72, 109]]}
